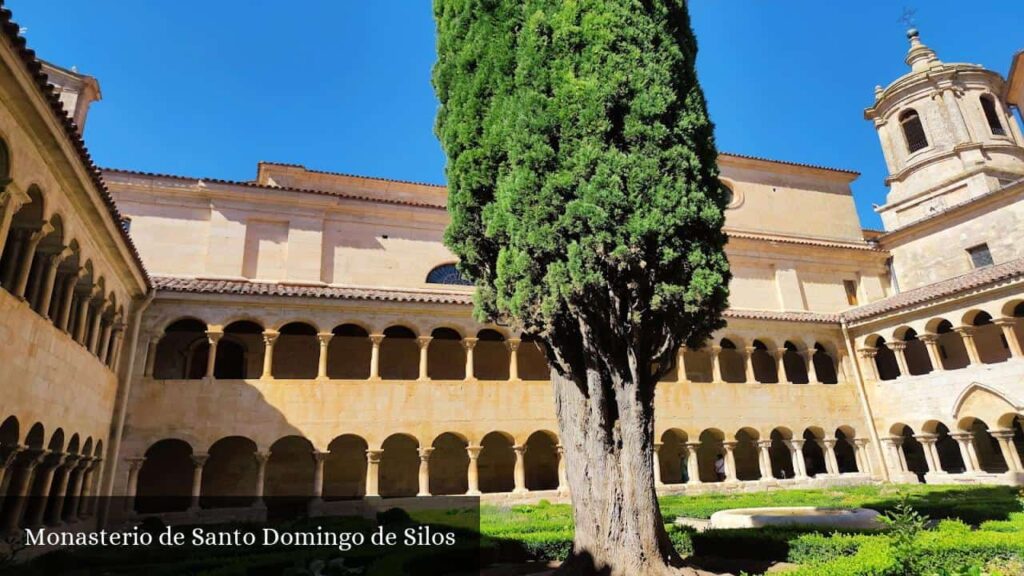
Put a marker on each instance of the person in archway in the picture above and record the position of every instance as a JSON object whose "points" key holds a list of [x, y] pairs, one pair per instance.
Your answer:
{"points": [[720, 467]]}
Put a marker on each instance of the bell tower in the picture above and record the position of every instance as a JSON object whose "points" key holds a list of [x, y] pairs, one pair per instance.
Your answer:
{"points": [[947, 134]]}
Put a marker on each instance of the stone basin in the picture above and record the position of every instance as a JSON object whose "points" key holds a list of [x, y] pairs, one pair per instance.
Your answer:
{"points": [[856, 518]]}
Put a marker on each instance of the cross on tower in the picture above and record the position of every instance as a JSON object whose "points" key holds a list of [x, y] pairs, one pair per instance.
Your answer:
{"points": [[907, 18]]}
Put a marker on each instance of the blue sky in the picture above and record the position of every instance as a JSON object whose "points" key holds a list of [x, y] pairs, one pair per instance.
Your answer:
{"points": [[207, 88]]}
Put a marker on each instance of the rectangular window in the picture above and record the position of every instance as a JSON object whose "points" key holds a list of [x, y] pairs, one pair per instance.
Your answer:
{"points": [[851, 291], [980, 255]]}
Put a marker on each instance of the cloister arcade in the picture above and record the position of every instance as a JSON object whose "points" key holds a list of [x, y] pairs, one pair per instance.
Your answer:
{"points": [[942, 343], [189, 349], [46, 479], [967, 447], [234, 472], [42, 264]]}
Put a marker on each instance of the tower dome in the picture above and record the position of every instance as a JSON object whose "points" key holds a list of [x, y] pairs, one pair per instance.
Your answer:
{"points": [[947, 134]]}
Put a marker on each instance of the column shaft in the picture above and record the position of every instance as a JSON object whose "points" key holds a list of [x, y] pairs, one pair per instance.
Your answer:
{"points": [[373, 472], [473, 472], [520, 470]]}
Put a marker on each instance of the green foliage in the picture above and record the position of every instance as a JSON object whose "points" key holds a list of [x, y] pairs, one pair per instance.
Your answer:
{"points": [[904, 525], [583, 185]]}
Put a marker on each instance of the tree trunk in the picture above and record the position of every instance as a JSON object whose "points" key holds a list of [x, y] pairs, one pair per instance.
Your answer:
{"points": [[606, 430]]}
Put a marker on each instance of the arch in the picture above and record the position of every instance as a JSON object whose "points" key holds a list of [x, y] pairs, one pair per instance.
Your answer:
{"points": [[348, 353], [780, 453], [36, 436], [165, 479], [240, 352], [399, 354], [229, 475], [446, 358], [846, 455], [447, 274], [763, 361], [916, 353], [490, 356], [824, 365], [988, 107], [74, 444], [533, 364], [989, 339], [288, 483], [708, 452], [952, 350], [731, 362], [496, 465], [5, 160], [345, 468], [986, 447], [296, 352], [747, 454], [399, 466], [10, 432], [183, 351], [672, 457], [950, 459], [56, 443], [449, 463], [813, 454], [794, 364], [885, 359], [984, 401], [913, 130], [913, 451], [541, 460]]}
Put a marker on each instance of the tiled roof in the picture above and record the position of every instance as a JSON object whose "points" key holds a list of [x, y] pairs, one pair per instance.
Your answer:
{"points": [[350, 175], [980, 278], [248, 288], [363, 197], [767, 237], [787, 163], [12, 33]]}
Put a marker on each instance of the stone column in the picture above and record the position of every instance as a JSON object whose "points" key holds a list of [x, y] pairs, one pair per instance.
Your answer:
{"points": [[35, 279], [860, 451], [424, 475], [151, 351], [469, 344], [373, 472], [94, 329], [375, 341], [213, 336], [325, 341], [46, 296], [134, 465], [318, 474], [68, 299], [261, 478], [657, 464], [899, 348], [828, 446], [748, 362], [424, 343], [764, 462], [931, 343], [60, 479], [104, 344], [730, 461], [843, 374], [473, 472], [269, 338], [513, 357], [7, 457], [1010, 455], [796, 452], [116, 341], [10, 273], [965, 441], [1007, 326], [563, 475], [716, 364], [692, 463], [85, 505], [967, 334], [44, 480], [77, 476], [198, 462], [681, 376], [812, 373], [28, 255], [82, 318], [9, 204], [931, 455], [18, 489], [520, 469], [780, 366], [867, 356], [893, 446]]}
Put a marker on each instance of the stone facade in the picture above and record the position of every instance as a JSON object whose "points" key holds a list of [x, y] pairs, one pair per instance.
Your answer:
{"points": [[304, 335]]}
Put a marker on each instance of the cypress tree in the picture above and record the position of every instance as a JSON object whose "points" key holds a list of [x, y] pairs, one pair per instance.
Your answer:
{"points": [[585, 206]]}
